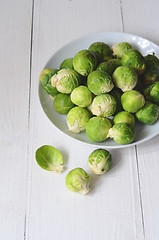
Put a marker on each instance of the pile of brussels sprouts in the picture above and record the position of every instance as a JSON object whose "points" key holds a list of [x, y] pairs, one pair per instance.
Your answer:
{"points": [[77, 180], [104, 90]]}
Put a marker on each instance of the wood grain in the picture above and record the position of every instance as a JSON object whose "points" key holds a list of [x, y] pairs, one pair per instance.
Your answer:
{"points": [[34, 203], [53, 211], [142, 20], [15, 27]]}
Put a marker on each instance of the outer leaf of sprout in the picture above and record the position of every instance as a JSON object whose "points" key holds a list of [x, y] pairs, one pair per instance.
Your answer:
{"points": [[49, 158]]}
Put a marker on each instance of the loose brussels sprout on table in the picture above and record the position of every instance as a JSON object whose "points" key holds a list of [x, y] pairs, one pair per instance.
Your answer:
{"points": [[84, 62], [99, 82], [77, 119], [49, 158], [77, 180], [63, 103], [65, 80], [102, 51], [125, 78], [81, 96], [99, 161]]}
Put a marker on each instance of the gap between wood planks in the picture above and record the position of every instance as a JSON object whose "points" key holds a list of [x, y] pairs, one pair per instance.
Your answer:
{"points": [[138, 174], [29, 102]]}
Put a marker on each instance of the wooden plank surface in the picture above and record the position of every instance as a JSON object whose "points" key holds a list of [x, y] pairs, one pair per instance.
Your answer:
{"points": [[143, 14], [34, 203], [15, 29], [53, 211]]}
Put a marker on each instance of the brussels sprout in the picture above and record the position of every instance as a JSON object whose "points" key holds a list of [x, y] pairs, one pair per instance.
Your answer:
{"points": [[84, 62], [102, 51], [77, 119], [46, 74], [50, 89], [104, 105], [152, 69], [49, 158], [65, 80], [133, 58], [97, 129], [63, 103], [67, 63], [148, 114], [99, 82], [132, 101], [99, 161], [45, 79], [125, 78], [77, 180], [119, 49], [121, 133], [116, 93], [81, 96], [152, 93], [109, 66], [125, 117]]}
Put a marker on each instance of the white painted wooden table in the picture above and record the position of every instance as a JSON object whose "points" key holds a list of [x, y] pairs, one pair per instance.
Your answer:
{"points": [[35, 204]]}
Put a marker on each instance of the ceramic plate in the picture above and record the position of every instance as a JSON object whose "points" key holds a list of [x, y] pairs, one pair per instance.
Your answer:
{"points": [[142, 132]]}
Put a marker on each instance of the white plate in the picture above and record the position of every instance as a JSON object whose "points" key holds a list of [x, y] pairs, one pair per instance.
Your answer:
{"points": [[142, 132]]}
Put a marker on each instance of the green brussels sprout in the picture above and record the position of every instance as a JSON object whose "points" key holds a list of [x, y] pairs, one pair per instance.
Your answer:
{"points": [[116, 93], [121, 133], [148, 114], [133, 58], [125, 78], [77, 119], [45, 79], [132, 101], [152, 93], [49, 158], [97, 129], [50, 89], [125, 117], [109, 66], [77, 180], [46, 74], [84, 62], [102, 51], [65, 80], [152, 69], [99, 82], [63, 103], [67, 63], [104, 105], [81, 96], [99, 161], [119, 49]]}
